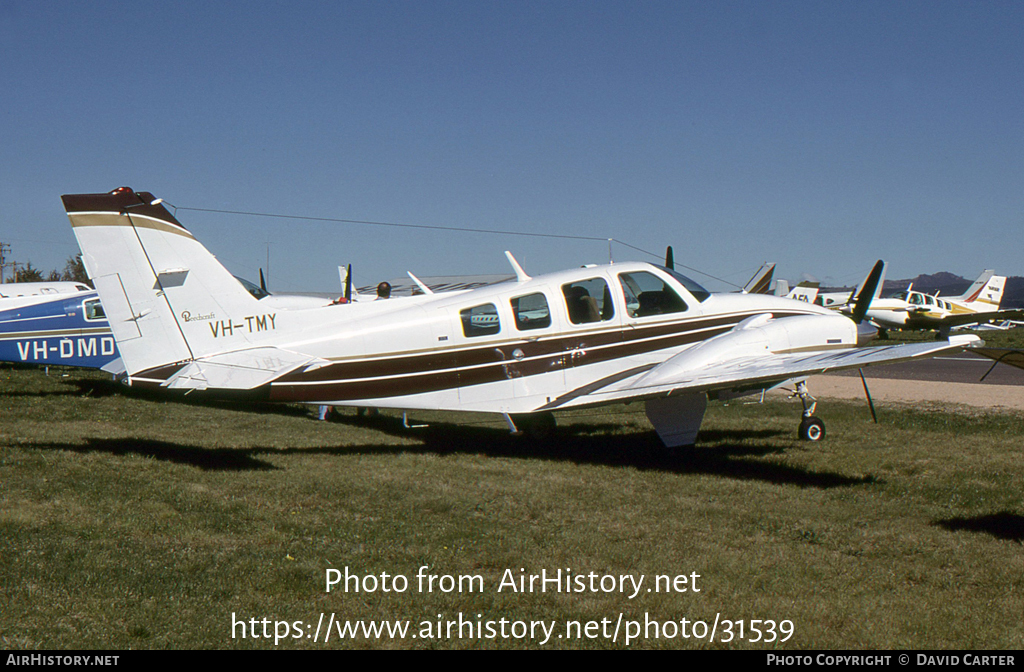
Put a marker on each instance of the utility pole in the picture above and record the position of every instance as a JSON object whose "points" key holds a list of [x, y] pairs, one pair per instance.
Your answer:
{"points": [[4, 247]]}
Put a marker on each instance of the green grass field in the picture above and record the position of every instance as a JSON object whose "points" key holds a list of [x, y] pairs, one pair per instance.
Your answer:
{"points": [[130, 521]]}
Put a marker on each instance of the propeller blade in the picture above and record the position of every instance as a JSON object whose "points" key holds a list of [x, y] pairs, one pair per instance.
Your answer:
{"points": [[867, 292]]}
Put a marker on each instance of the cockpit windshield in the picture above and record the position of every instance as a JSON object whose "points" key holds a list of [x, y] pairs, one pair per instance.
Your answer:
{"points": [[255, 290], [691, 286]]}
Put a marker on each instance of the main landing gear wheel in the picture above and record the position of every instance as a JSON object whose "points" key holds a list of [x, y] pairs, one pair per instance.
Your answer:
{"points": [[812, 429]]}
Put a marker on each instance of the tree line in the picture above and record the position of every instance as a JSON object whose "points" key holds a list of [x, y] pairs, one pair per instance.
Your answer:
{"points": [[74, 270]]}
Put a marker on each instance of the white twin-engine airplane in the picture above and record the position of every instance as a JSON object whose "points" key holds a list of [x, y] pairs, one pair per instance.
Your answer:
{"points": [[916, 310], [524, 348]]}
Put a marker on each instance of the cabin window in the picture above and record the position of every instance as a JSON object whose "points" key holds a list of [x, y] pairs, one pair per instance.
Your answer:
{"points": [[94, 310], [930, 300], [692, 287], [588, 301], [531, 312], [647, 294], [480, 320], [916, 299]]}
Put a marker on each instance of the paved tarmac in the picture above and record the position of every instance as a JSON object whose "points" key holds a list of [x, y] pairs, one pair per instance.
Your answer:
{"points": [[962, 367], [951, 379]]}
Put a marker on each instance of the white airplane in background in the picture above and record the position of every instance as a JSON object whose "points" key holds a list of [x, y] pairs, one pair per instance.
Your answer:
{"points": [[584, 337], [805, 290], [834, 299], [845, 301], [15, 290], [916, 310]]}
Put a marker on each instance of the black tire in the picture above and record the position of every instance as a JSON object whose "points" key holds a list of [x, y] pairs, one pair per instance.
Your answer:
{"points": [[812, 429]]}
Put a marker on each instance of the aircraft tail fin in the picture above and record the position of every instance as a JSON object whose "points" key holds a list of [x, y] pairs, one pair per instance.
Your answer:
{"points": [[168, 300], [985, 294], [805, 290], [761, 283]]}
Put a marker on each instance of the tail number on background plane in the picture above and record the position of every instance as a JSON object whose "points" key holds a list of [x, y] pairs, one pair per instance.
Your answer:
{"points": [[251, 324], [66, 348]]}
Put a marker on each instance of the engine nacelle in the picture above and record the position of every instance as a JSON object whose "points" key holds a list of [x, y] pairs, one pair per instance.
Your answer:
{"points": [[758, 336]]}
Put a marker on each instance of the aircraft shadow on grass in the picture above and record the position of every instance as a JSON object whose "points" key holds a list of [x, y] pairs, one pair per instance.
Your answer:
{"points": [[207, 459], [719, 455], [84, 387], [1002, 525], [719, 452]]}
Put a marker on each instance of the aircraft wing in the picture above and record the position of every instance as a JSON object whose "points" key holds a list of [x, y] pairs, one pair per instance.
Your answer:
{"points": [[747, 374], [1010, 356], [244, 369], [922, 320]]}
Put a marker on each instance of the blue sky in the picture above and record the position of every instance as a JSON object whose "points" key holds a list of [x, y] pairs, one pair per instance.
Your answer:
{"points": [[819, 135]]}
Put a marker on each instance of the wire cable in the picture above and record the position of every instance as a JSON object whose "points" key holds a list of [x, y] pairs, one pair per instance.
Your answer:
{"points": [[436, 227]]}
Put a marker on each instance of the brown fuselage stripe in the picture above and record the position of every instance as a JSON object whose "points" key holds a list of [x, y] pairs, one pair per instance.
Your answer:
{"points": [[437, 371]]}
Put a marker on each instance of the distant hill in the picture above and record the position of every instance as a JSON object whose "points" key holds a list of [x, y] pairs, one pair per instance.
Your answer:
{"points": [[949, 284]]}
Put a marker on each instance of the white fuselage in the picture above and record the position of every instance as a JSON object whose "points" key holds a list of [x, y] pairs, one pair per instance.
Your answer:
{"points": [[512, 347]]}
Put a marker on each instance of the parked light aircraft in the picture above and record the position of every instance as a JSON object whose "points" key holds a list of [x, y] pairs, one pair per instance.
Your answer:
{"points": [[910, 309], [845, 301], [583, 337], [805, 290], [55, 323]]}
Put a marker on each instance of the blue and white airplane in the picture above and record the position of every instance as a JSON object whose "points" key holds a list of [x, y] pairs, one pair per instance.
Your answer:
{"points": [[55, 323]]}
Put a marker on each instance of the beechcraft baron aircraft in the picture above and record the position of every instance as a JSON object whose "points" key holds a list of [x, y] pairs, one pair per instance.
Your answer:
{"points": [[584, 337], [916, 310]]}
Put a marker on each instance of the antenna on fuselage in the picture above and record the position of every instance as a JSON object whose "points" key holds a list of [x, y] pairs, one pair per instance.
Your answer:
{"points": [[423, 288], [521, 275], [670, 259]]}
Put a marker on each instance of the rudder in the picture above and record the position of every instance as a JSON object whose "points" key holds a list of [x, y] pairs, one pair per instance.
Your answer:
{"points": [[168, 300]]}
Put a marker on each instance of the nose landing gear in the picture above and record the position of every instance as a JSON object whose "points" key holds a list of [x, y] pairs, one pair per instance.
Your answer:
{"points": [[812, 428]]}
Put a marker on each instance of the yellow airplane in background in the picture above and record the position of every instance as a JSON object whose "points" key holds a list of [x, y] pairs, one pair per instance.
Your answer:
{"points": [[911, 309]]}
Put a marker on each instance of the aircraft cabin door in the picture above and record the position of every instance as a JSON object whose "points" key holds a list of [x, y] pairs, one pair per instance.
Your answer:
{"points": [[593, 331]]}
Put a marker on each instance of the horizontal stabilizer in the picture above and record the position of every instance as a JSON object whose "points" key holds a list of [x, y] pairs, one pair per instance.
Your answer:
{"points": [[114, 367], [240, 370]]}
